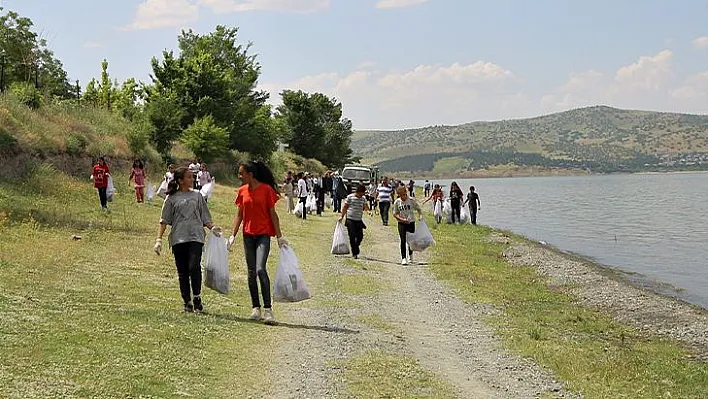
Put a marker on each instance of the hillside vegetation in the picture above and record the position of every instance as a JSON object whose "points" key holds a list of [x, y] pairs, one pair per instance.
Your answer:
{"points": [[601, 139]]}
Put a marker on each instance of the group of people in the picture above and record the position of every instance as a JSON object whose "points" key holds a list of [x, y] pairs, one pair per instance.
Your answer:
{"points": [[186, 211]]}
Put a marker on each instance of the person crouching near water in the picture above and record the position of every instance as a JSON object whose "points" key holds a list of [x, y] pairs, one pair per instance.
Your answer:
{"points": [[354, 207], [186, 212], [256, 201], [403, 212]]}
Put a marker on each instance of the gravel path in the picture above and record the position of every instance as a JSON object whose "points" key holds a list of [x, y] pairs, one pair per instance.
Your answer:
{"points": [[427, 321], [603, 289]]}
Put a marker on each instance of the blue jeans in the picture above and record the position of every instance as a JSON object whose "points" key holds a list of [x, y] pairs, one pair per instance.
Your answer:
{"points": [[257, 249]]}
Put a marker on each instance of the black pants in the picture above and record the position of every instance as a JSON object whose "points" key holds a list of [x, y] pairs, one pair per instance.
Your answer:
{"points": [[257, 249], [320, 203], [455, 205], [196, 182], [303, 201], [355, 228], [404, 228], [188, 257], [384, 206], [473, 213], [103, 197]]}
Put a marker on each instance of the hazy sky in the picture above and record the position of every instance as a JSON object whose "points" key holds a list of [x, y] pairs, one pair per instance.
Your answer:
{"points": [[405, 63]]}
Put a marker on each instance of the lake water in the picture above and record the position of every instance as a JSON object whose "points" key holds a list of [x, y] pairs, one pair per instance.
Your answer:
{"points": [[653, 225]]}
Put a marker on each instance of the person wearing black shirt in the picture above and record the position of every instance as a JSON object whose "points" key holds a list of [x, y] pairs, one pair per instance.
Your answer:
{"points": [[474, 203], [456, 196]]}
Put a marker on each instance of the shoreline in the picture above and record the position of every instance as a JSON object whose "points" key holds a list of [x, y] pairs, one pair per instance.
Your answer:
{"points": [[635, 302], [511, 175]]}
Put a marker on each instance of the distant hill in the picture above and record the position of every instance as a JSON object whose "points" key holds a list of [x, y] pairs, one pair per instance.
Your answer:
{"points": [[599, 139]]}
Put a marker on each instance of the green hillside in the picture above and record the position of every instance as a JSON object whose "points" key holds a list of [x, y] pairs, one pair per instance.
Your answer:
{"points": [[600, 138]]}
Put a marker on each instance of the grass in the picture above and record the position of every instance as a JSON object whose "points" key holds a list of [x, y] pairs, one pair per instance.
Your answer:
{"points": [[379, 374], [355, 284], [587, 349], [101, 316]]}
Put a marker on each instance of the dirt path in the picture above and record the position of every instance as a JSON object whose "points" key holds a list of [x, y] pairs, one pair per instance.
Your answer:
{"points": [[410, 313]]}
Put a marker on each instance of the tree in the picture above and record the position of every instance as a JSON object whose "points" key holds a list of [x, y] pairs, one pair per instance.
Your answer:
{"points": [[91, 95], [165, 115], [127, 99], [214, 75], [206, 140], [316, 128], [26, 57]]}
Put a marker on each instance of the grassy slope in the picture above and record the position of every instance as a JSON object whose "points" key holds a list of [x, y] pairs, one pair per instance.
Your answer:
{"points": [[597, 130]]}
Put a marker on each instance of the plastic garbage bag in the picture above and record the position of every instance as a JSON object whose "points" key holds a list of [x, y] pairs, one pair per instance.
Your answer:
{"points": [[216, 264], [329, 202], [289, 285], [162, 190], [464, 214], [110, 190], [340, 246], [437, 210], [298, 209], [311, 204], [207, 190], [447, 208], [421, 239], [150, 192]]}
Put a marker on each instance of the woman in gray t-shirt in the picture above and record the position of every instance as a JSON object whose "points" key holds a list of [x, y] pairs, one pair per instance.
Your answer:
{"points": [[186, 212], [354, 207]]}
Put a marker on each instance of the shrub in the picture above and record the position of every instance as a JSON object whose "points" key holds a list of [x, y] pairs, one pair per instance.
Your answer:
{"points": [[27, 94], [76, 143], [8, 142], [206, 140]]}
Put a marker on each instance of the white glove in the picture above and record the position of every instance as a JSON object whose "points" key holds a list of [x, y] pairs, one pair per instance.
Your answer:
{"points": [[283, 243], [217, 231], [91, 178], [232, 239], [158, 246]]}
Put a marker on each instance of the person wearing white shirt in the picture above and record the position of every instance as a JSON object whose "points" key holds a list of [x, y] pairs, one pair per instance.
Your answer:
{"points": [[302, 192]]}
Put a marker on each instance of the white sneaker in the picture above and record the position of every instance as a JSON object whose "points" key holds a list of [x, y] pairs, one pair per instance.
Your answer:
{"points": [[256, 314], [268, 317], [404, 261]]}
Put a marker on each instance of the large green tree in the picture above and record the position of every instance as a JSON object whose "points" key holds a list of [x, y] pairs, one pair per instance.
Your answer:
{"points": [[315, 127], [215, 75], [26, 57]]}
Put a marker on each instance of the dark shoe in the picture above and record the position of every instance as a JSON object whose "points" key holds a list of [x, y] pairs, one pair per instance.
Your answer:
{"points": [[189, 307], [198, 304]]}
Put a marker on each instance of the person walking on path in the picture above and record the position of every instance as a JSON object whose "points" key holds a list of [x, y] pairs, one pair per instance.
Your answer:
{"points": [[426, 189], [195, 167], [435, 196], [456, 196], [319, 195], [371, 196], [474, 203], [336, 198], [186, 212], [383, 196], [100, 175], [403, 212], [288, 190], [137, 174], [411, 188], [354, 207], [256, 201], [203, 177], [302, 193]]}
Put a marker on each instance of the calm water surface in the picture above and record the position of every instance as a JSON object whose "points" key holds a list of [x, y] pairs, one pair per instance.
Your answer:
{"points": [[653, 225]]}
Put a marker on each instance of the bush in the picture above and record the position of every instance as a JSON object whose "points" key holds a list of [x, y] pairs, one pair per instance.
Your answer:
{"points": [[206, 140], [8, 142], [76, 143], [27, 94]]}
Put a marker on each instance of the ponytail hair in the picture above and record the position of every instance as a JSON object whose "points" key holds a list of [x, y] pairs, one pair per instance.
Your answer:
{"points": [[262, 173], [173, 186]]}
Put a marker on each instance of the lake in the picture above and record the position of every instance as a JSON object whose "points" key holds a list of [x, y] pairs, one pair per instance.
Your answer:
{"points": [[655, 225]]}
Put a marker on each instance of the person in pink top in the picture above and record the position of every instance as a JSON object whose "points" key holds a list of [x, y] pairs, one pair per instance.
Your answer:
{"points": [[137, 174]]}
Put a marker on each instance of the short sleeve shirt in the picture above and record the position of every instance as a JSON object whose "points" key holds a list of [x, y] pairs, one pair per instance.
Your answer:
{"points": [[187, 213], [355, 211], [255, 205]]}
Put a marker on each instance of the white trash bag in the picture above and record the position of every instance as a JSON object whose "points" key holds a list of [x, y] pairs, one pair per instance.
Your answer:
{"points": [[421, 239], [437, 211], [110, 190], [150, 192], [216, 265], [162, 190], [311, 204], [289, 286], [340, 246], [298, 209], [464, 214], [329, 203], [207, 190]]}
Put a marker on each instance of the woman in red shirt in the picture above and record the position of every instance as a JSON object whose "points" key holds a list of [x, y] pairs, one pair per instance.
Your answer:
{"points": [[256, 201], [137, 173], [100, 176]]}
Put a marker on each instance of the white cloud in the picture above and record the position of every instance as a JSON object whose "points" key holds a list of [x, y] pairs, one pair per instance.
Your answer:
{"points": [[155, 14], [701, 43], [649, 73], [298, 6], [692, 96], [424, 95], [398, 3]]}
